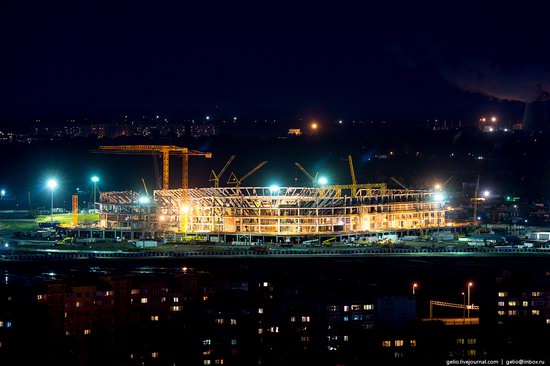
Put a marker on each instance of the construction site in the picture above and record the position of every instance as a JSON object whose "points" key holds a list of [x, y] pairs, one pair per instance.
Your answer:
{"points": [[237, 213]]}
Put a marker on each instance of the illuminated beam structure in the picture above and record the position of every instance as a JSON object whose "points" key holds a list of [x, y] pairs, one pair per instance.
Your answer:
{"points": [[287, 211]]}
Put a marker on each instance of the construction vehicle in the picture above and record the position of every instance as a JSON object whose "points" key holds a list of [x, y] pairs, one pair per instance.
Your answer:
{"points": [[163, 150], [215, 177], [65, 241], [238, 181], [328, 242]]}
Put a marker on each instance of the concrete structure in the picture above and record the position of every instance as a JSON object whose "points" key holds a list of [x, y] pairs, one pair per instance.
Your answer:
{"points": [[272, 211]]}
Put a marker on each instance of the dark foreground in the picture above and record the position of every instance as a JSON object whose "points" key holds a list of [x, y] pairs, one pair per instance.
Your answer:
{"points": [[273, 311]]}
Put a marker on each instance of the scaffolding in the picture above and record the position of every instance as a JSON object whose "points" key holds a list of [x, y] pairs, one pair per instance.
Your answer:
{"points": [[265, 211]]}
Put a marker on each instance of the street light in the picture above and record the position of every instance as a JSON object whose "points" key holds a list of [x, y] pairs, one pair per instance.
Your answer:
{"points": [[95, 179], [470, 284], [463, 303], [3, 192], [414, 286], [486, 194], [274, 189], [323, 181], [52, 185]]}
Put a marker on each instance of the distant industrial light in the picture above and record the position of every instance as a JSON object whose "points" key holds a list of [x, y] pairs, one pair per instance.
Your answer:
{"points": [[493, 119], [340, 122], [437, 186], [207, 118], [323, 181], [143, 200], [486, 193], [3, 192], [184, 209], [52, 183], [95, 179], [234, 118], [314, 126]]}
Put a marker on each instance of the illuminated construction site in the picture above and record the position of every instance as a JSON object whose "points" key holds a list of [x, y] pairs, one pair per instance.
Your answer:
{"points": [[237, 213]]}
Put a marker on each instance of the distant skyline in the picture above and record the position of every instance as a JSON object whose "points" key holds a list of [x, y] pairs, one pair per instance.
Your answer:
{"points": [[401, 62]]}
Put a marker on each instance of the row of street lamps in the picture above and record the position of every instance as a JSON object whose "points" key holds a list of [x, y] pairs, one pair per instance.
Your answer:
{"points": [[470, 284], [52, 184]]}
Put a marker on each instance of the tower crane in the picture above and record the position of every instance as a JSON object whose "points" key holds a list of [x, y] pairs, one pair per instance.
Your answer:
{"points": [[237, 181], [399, 183], [353, 180], [215, 177], [163, 150], [303, 170]]}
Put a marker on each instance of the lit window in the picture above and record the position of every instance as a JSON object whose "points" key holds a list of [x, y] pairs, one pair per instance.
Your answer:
{"points": [[233, 321], [260, 311], [266, 284], [535, 312], [501, 303], [144, 300], [305, 319], [502, 294], [154, 354], [398, 355], [219, 321], [355, 307], [346, 338], [233, 342], [512, 303], [368, 307], [512, 312], [207, 362], [536, 294], [134, 291], [163, 299], [154, 318], [413, 342], [501, 312], [346, 308], [386, 343], [176, 299], [547, 321], [175, 308], [333, 308], [292, 319], [399, 343], [39, 297], [108, 293], [87, 331], [472, 340], [525, 303], [260, 330], [460, 341], [471, 352], [304, 339], [207, 341], [77, 304], [219, 361]]}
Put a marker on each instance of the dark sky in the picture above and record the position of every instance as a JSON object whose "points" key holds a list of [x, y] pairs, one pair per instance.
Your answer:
{"points": [[267, 58]]}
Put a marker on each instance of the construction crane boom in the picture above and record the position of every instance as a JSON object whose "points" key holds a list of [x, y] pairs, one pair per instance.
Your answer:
{"points": [[145, 186], [163, 150], [237, 181], [447, 182], [312, 178], [353, 180], [399, 183], [215, 177]]}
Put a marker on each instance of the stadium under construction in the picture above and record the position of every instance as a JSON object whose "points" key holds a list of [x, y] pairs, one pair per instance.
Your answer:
{"points": [[270, 214]]}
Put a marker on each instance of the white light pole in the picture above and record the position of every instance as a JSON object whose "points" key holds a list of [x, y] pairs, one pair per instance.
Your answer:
{"points": [[52, 185], [414, 286], [470, 284], [95, 179]]}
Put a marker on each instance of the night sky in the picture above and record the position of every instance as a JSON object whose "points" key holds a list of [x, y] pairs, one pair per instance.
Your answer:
{"points": [[401, 61]]}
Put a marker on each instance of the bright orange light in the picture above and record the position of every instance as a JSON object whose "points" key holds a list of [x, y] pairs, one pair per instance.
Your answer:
{"points": [[493, 119], [162, 217], [437, 186], [314, 126]]}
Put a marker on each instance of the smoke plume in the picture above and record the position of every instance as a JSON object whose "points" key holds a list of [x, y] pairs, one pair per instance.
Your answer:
{"points": [[525, 84]]}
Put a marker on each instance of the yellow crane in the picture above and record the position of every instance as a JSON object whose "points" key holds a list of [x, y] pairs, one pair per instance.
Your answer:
{"points": [[163, 150], [399, 183], [215, 177], [311, 177], [353, 180], [237, 181]]}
